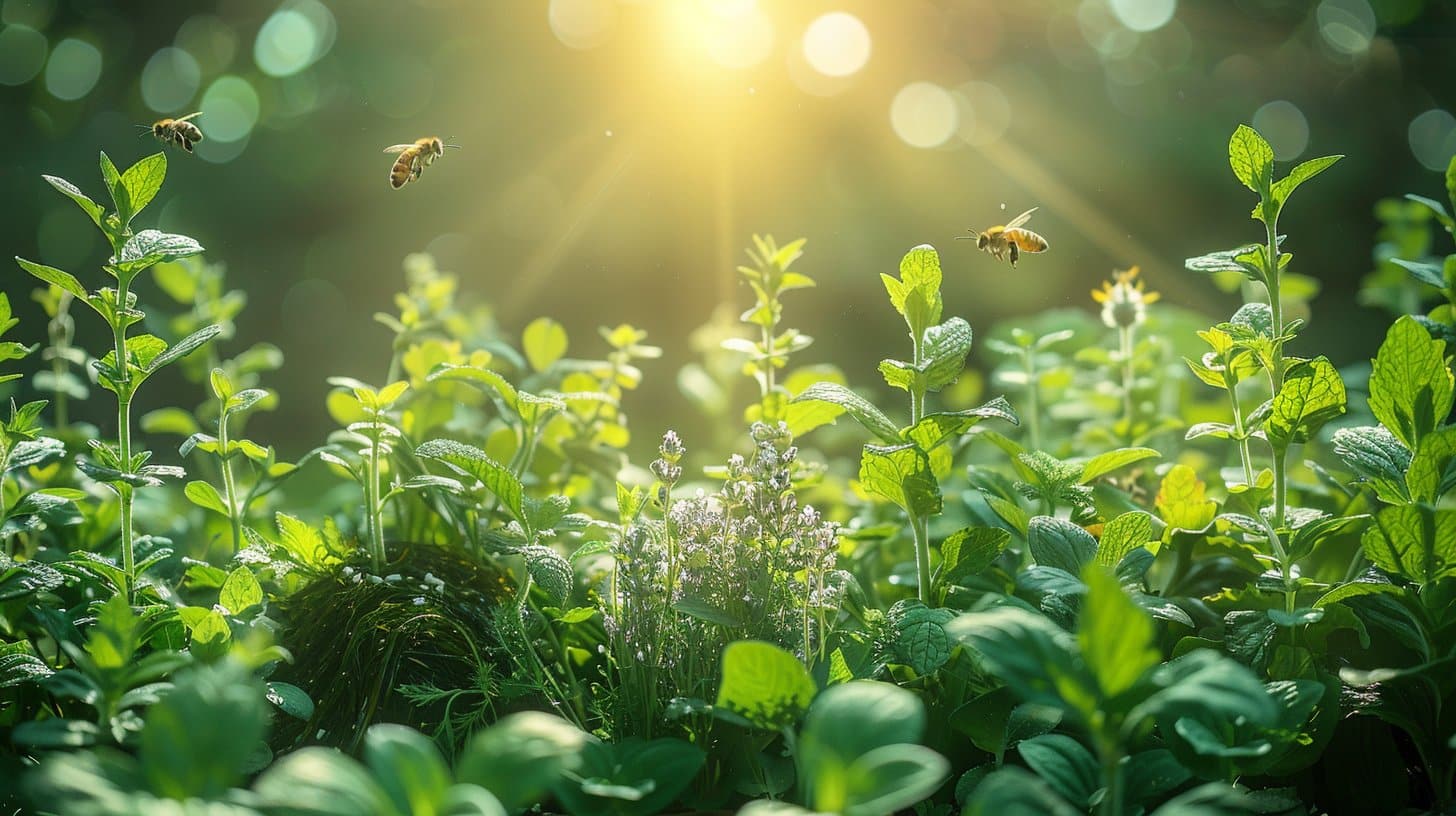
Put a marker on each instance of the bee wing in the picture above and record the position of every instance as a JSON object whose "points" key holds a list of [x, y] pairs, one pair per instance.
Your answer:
{"points": [[398, 148], [1021, 219], [188, 116]]}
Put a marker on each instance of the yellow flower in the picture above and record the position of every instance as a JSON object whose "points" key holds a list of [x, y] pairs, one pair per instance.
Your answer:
{"points": [[1124, 300]]}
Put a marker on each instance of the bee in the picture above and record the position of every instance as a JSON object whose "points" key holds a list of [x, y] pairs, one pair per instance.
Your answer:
{"points": [[414, 158], [1012, 239], [179, 132]]}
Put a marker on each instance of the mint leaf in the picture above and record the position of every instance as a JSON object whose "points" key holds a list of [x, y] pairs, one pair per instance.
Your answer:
{"points": [[1410, 385], [1252, 159], [1415, 540], [901, 474], [1312, 394], [1059, 543], [143, 180], [856, 406]]}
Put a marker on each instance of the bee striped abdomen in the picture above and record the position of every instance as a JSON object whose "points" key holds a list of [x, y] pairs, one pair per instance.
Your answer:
{"points": [[1026, 240], [405, 169]]}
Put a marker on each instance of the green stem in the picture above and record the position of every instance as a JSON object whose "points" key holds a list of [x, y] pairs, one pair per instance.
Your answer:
{"points": [[1276, 370], [919, 525], [229, 487], [371, 498], [123, 438], [1112, 804], [1245, 458]]}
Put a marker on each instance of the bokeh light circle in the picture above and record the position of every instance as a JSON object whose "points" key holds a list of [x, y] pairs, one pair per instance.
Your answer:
{"points": [[837, 44], [1284, 126], [73, 69], [209, 40], [229, 109], [286, 44], [924, 115], [1432, 138], [34, 14], [1144, 15], [985, 112], [1347, 26], [581, 24], [22, 54], [170, 80]]}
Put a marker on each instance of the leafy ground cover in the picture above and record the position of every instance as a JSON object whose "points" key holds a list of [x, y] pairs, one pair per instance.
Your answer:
{"points": [[1147, 565]]}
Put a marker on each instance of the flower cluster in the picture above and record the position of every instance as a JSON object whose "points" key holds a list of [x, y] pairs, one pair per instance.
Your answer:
{"points": [[1124, 300]]}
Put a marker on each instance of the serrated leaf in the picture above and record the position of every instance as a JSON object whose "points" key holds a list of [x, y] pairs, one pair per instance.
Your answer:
{"points": [[143, 180], [901, 474], [550, 571], [1431, 473], [1374, 454], [1115, 635], [1415, 541], [856, 406], [970, 551], [472, 461], [151, 247], [944, 350], [1252, 159], [933, 429], [1410, 385], [93, 210], [1122, 535], [184, 347], [1312, 394], [1182, 500], [1302, 172], [241, 591], [50, 274]]}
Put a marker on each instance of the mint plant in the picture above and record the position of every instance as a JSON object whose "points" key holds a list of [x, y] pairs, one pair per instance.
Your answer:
{"points": [[900, 470], [132, 359]]}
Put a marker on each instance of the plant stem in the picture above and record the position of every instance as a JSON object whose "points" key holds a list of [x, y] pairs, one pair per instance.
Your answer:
{"points": [[919, 525], [123, 437], [371, 498], [1112, 780], [1245, 458], [229, 487], [1276, 370], [917, 393]]}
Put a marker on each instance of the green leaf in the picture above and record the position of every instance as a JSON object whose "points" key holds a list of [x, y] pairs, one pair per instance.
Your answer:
{"points": [[849, 721], [1374, 454], [290, 699], [1013, 791], [1246, 260], [1122, 535], [899, 374], [50, 274], [1252, 159], [520, 756], [1415, 541], [634, 777], [408, 767], [184, 347], [1427, 273], [1410, 385], [1035, 657], [970, 551], [1209, 686], [544, 342], [933, 429], [240, 592], [901, 474], [764, 684], [206, 496], [321, 782], [198, 741], [1312, 394], [858, 407], [151, 247], [1302, 172], [211, 636], [1069, 768], [471, 461], [119, 199], [93, 210], [1115, 634], [1105, 463], [885, 781], [1431, 473], [944, 352], [142, 181], [920, 642], [1059, 543], [550, 571]]}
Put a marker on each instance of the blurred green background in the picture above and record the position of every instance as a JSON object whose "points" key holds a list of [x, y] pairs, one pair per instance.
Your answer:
{"points": [[616, 156]]}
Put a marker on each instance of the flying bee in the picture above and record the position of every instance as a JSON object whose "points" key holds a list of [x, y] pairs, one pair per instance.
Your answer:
{"points": [[414, 158], [1010, 240], [180, 132]]}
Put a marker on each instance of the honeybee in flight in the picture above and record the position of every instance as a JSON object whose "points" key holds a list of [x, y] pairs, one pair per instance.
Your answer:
{"points": [[180, 132], [414, 158], [1010, 240]]}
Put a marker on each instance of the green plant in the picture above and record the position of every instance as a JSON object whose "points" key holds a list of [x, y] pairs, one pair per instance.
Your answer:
{"points": [[900, 471], [131, 360]]}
